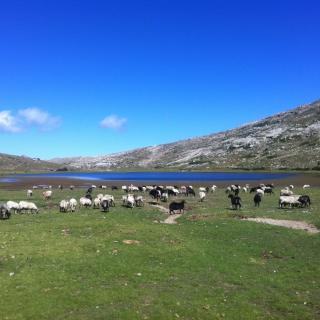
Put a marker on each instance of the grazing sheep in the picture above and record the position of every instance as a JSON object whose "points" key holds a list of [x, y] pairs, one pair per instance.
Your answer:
{"points": [[73, 204], [291, 201], [235, 201], [96, 203], [128, 201], [286, 192], [85, 202], [4, 212], [305, 201], [202, 196], [13, 206], [27, 207], [105, 205], [260, 191], [139, 201], [268, 190], [257, 199], [64, 206], [306, 186], [164, 197], [174, 206], [190, 191], [109, 198], [47, 194], [29, 193]]}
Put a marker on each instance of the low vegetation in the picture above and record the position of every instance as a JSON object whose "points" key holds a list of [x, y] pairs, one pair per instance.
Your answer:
{"points": [[126, 264]]}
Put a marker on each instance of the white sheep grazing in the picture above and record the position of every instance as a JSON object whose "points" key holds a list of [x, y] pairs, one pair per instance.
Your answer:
{"points": [[306, 186], [202, 189], [128, 201], [28, 207], [286, 192], [47, 194], [13, 206], [85, 202], [139, 201], [109, 198], [164, 197], [213, 188], [73, 204], [29, 193], [291, 186], [64, 205], [202, 195], [290, 200], [96, 203], [245, 189], [260, 191]]}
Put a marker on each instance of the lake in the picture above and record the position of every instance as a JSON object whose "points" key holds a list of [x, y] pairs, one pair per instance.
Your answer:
{"points": [[154, 176]]}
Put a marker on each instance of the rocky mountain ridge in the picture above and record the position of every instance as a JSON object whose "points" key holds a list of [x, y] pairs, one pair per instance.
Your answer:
{"points": [[288, 140]]}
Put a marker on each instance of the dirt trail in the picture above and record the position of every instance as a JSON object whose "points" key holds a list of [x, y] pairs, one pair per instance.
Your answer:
{"points": [[171, 218], [301, 225]]}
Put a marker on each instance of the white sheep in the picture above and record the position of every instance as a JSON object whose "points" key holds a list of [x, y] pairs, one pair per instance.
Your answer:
{"points": [[96, 203], [202, 195], [164, 197], [28, 207], [47, 194], [306, 186], [29, 193], [13, 206], [85, 202], [290, 200], [64, 205], [73, 204], [286, 192]]}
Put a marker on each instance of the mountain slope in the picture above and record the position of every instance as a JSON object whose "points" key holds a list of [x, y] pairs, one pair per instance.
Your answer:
{"points": [[286, 140], [25, 164]]}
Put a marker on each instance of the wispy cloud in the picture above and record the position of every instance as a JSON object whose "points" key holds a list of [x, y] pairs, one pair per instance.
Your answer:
{"points": [[25, 119], [40, 118], [113, 122], [8, 123]]}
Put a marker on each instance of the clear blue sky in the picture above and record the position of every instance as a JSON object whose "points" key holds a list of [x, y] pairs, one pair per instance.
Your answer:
{"points": [[97, 77]]}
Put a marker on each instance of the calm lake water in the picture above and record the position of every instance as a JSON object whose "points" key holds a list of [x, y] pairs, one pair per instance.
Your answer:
{"points": [[157, 176]]}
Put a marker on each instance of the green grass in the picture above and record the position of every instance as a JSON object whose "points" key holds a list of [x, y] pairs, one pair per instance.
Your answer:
{"points": [[209, 266]]}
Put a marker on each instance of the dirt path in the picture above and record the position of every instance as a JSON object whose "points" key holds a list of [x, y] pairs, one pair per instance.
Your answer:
{"points": [[171, 218], [287, 224]]}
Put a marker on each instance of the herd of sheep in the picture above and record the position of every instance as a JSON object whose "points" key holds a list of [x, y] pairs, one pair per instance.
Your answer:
{"points": [[132, 198]]}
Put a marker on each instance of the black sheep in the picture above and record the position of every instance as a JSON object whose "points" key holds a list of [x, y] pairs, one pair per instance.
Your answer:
{"points": [[173, 206], [257, 199], [235, 201]]}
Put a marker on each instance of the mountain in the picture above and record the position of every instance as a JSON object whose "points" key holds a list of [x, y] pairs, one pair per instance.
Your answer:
{"points": [[286, 140], [24, 164]]}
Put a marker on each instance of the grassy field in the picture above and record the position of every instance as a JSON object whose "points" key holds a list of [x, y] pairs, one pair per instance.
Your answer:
{"points": [[211, 265]]}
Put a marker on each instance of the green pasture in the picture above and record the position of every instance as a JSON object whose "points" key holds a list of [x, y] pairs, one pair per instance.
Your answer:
{"points": [[211, 265]]}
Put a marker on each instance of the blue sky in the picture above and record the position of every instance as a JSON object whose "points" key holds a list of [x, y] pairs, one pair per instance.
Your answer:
{"points": [[97, 77]]}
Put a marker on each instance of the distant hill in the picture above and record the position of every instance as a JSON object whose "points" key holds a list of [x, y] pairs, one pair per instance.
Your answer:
{"points": [[24, 164], [286, 140]]}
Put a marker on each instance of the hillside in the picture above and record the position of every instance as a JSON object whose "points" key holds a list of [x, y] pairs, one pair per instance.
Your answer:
{"points": [[286, 140], [24, 164]]}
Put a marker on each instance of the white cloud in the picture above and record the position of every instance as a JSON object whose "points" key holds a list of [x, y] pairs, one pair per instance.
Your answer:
{"points": [[39, 118], [113, 122], [8, 123]]}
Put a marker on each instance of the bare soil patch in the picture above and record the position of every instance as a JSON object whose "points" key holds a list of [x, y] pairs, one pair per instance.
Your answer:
{"points": [[300, 225], [171, 218]]}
